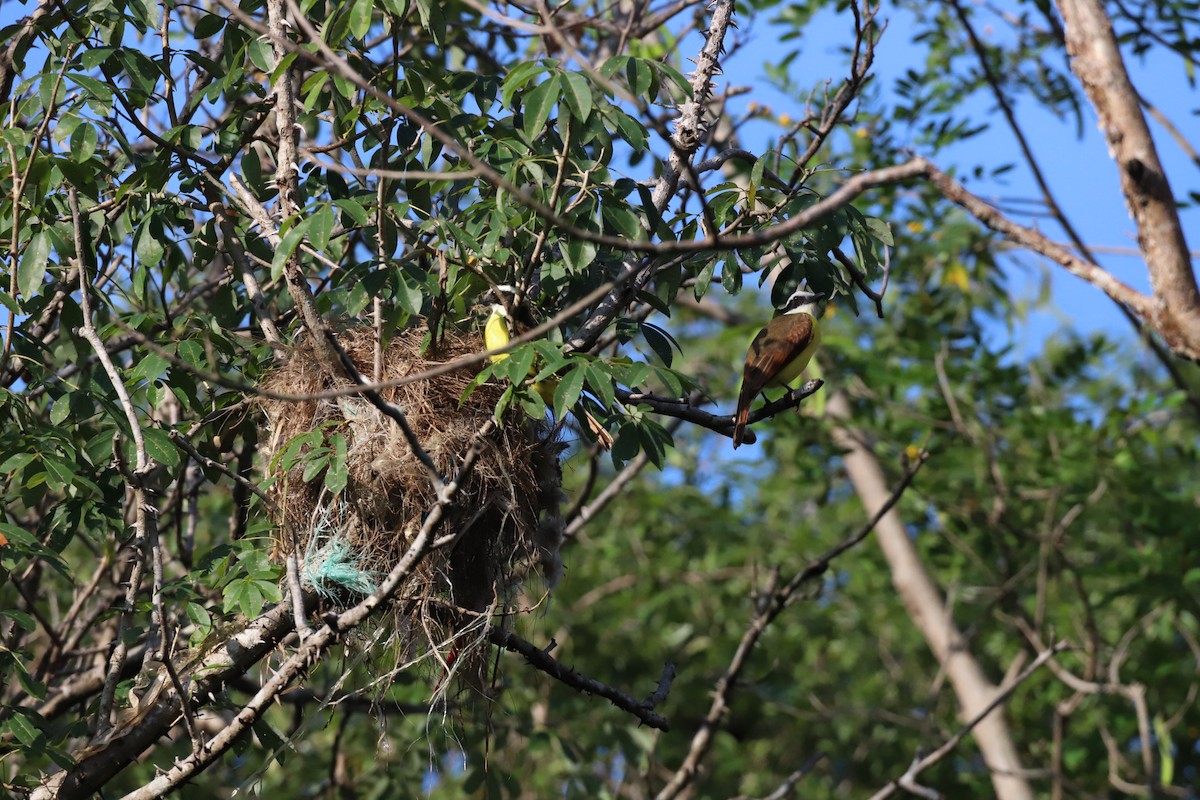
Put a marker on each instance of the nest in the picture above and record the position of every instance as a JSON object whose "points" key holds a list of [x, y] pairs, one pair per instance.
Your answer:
{"points": [[506, 518]]}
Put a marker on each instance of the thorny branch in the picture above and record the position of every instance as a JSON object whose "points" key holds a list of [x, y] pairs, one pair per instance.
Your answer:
{"points": [[145, 539]]}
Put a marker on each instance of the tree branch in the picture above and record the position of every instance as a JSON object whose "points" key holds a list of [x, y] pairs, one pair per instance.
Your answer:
{"points": [[542, 660], [1097, 62], [907, 780], [770, 604]]}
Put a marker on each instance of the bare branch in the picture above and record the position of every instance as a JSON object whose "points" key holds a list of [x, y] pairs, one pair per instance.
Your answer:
{"points": [[1097, 62], [954, 191], [928, 610], [907, 780], [542, 660], [771, 602], [145, 515], [686, 410]]}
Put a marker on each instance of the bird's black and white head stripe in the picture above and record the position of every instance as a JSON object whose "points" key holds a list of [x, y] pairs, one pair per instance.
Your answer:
{"points": [[801, 298]]}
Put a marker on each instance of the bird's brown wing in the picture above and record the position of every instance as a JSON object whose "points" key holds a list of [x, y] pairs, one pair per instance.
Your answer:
{"points": [[770, 352]]}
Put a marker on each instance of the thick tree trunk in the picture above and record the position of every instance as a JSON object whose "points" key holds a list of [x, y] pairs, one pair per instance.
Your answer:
{"points": [[929, 613]]}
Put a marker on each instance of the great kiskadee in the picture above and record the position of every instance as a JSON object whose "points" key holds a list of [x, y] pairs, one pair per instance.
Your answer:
{"points": [[496, 334], [779, 353]]}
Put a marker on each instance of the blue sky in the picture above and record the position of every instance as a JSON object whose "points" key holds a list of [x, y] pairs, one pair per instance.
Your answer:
{"points": [[1079, 171]]}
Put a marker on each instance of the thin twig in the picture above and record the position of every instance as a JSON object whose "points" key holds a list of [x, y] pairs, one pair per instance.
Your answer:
{"points": [[907, 780], [145, 514], [770, 603], [181, 441], [542, 660]]}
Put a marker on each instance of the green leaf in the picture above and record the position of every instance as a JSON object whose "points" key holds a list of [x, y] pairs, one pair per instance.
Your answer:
{"points": [[32, 269], [322, 226], [360, 18], [578, 94], [199, 616], [355, 210], [631, 130], [20, 617], [532, 404], [579, 254], [612, 66], [661, 342], [569, 388], [261, 54], [192, 352], [704, 278], [286, 247], [90, 59], [150, 250], [83, 141], [601, 384], [34, 688], [270, 740], [880, 231], [517, 367], [23, 729], [516, 79], [60, 410], [143, 73], [627, 444], [245, 595], [16, 462], [550, 358], [633, 374], [208, 26], [731, 274], [640, 76], [313, 467], [160, 448], [671, 380], [313, 88], [408, 295], [623, 220], [538, 103], [338, 473], [147, 12], [60, 474], [150, 367]]}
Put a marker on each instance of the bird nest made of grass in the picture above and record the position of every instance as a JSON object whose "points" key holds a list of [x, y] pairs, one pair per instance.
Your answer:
{"points": [[506, 517]]}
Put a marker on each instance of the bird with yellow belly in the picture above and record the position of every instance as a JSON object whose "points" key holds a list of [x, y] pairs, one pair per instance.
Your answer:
{"points": [[779, 353], [497, 333]]}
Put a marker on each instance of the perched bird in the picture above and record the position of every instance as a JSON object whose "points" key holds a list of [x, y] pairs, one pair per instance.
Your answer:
{"points": [[496, 334], [780, 352]]}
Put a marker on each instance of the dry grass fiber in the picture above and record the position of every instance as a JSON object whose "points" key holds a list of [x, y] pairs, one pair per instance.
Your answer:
{"points": [[506, 518]]}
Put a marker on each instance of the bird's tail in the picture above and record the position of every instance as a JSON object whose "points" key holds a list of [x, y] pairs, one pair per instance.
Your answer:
{"points": [[739, 422]]}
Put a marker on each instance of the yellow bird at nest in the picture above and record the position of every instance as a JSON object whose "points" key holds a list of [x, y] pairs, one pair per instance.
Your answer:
{"points": [[497, 333]]}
